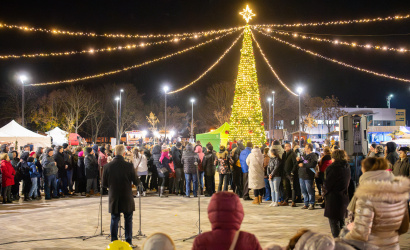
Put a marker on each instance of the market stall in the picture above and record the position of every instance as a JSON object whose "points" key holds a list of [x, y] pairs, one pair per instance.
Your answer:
{"points": [[15, 133], [216, 138]]}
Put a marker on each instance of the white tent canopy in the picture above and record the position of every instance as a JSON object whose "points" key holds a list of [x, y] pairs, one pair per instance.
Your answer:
{"points": [[59, 136], [13, 132]]}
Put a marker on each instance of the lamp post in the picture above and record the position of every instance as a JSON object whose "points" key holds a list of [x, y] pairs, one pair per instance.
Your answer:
{"points": [[22, 78], [165, 91], [116, 114], [388, 100], [273, 112], [192, 121], [299, 90], [119, 117], [269, 100]]}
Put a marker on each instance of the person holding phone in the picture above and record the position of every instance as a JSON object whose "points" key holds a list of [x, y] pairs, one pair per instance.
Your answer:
{"points": [[307, 164]]}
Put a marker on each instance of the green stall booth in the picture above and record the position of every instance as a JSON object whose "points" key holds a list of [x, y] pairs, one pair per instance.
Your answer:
{"points": [[216, 138]]}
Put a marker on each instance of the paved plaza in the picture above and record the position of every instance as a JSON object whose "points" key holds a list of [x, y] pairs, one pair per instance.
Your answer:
{"points": [[176, 216]]}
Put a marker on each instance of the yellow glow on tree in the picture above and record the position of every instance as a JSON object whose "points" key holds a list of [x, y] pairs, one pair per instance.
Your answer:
{"points": [[246, 118]]}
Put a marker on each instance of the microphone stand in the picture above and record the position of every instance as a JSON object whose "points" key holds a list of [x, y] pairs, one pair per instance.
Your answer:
{"points": [[199, 207], [140, 234]]}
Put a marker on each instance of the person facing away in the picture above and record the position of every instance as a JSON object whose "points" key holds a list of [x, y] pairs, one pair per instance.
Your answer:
{"points": [[176, 152], [256, 182], [50, 172], [223, 168], [7, 177], [91, 171], [201, 155], [402, 165], [225, 212], [307, 165], [380, 206], [190, 161], [242, 158], [118, 177], [208, 165]]}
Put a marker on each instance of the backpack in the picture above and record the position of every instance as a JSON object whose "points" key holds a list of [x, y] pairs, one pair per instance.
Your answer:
{"points": [[223, 168]]}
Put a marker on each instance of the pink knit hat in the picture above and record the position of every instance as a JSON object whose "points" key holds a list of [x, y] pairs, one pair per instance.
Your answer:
{"points": [[81, 154]]}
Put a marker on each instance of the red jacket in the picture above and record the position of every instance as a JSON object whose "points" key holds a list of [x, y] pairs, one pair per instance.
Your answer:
{"points": [[8, 174], [225, 212]]}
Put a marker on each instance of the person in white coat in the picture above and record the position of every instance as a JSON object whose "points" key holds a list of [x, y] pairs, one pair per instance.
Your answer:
{"points": [[140, 163], [256, 181]]}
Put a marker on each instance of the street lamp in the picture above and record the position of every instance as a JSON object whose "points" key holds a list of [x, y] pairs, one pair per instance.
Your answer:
{"points": [[273, 111], [299, 90], [165, 91], [269, 100], [388, 100], [116, 112], [23, 78], [119, 115], [192, 121]]}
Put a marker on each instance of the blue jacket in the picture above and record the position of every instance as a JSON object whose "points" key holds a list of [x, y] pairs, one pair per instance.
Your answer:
{"points": [[242, 159], [33, 170]]}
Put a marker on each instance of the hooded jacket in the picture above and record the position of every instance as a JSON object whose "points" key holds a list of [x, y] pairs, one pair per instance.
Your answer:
{"points": [[189, 158], [402, 167], [255, 164], [59, 158], [225, 212], [391, 155], [176, 157], [242, 158], [49, 165], [81, 166], [33, 170], [208, 163], [164, 163], [140, 164], [156, 154], [91, 166], [8, 174], [201, 155]]}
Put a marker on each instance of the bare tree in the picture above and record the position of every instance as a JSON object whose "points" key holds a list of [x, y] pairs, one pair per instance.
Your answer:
{"points": [[331, 111]]}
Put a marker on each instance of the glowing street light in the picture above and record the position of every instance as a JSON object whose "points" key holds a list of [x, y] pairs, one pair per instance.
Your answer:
{"points": [[299, 90], [165, 88], [117, 99], [388, 100], [192, 121], [23, 78]]}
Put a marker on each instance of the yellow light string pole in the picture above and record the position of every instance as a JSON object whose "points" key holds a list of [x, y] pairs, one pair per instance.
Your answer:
{"points": [[271, 68], [93, 51], [337, 61], [111, 35], [131, 67], [209, 69], [338, 22], [336, 42]]}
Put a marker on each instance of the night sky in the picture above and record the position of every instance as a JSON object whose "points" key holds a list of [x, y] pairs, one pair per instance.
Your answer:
{"points": [[317, 76]]}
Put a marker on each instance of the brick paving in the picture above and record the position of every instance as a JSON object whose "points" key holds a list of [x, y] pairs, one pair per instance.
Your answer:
{"points": [[176, 216]]}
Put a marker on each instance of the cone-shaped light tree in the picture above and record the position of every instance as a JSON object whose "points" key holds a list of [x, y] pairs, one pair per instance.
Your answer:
{"points": [[246, 121]]}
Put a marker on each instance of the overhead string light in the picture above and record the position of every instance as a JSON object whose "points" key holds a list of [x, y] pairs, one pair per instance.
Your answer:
{"points": [[133, 66], [111, 35], [336, 42], [338, 22], [336, 61], [93, 51], [271, 68], [210, 68]]}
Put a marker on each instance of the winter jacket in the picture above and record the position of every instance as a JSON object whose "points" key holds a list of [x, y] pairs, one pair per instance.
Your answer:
{"points": [[156, 154], [242, 158], [164, 164], [223, 162], [176, 157], [336, 190], [255, 165], [266, 160], [379, 211], [324, 163], [402, 167], [59, 158], [91, 166], [235, 154], [33, 170], [49, 165], [8, 173], [274, 167], [309, 164], [225, 212], [68, 159], [189, 158], [201, 155], [140, 164], [290, 168], [102, 160], [391, 155], [208, 163], [81, 166]]}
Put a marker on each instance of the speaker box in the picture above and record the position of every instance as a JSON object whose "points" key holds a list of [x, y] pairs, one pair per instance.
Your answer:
{"points": [[353, 134]]}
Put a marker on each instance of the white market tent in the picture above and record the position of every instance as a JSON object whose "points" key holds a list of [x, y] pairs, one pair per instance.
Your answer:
{"points": [[59, 136], [13, 132]]}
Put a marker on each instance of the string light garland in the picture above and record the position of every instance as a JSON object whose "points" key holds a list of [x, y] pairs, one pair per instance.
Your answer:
{"points": [[73, 33], [133, 66], [336, 61], [338, 42], [340, 22], [92, 51], [209, 69], [271, 68]]}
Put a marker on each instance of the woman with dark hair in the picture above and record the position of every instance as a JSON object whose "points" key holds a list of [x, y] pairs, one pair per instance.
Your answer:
{"points": [[324, 162], [81, 179], [274, 176], [336, 191]]}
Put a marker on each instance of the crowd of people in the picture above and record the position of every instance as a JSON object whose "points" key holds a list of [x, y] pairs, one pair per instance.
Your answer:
{"points": [[283, 174]]}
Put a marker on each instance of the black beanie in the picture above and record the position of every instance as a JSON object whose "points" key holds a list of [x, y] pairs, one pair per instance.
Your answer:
{"points": [[65, 145], [88, 150], [276, 142], [179, 144]]}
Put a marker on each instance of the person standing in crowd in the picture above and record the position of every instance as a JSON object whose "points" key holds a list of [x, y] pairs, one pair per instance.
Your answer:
{"points": [[255, 165], [68, 161], [324, 162], [237, 170], [201, 172], [380, 206], [307, 166], [402, 165], [7, 177], [208, 165], [62, 171], [81, 177], [223, 168], [176, 153], [190, 161], [39, 156], [156, 154], [266, 160], [163, 170], [336, 191], [34, 175], [14, 160], [274, 176], [91, 172], [372, 150], [379, 152], [119, 176], [242, 158], [25, 171], [4, 148], [391, 154], [102, 160], [276, 145], [289, 174], [50, 172], [140, 165]]}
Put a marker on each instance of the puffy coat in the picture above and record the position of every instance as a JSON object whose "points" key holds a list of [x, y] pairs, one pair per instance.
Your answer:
{"points": [[201, 155], [33, 170], [140, 164], [176, 157], [189, 158], [290, 164], [225, 212], [255, 165], [156, 154], [102, 160], [242, 159], [208, 163], [266, 160], [309, 164], [8, 174], [379, 212], [402, 167], [59, 158], [91, 166], [391, 155], [164, 163], [81, 166], [274, 167], [223, 161], [49, 165]]}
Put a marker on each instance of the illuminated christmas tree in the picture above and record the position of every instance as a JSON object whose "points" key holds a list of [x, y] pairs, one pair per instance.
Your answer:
{"points": [[246, 119]]}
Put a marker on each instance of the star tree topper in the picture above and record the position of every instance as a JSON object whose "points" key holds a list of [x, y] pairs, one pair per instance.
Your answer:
{"points": [[247, 14]]}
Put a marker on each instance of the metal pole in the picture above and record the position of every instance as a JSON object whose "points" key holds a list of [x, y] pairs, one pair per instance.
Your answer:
{"points": [[22, 103], [165, 118], [116, 134], [299, 123], [273, 113], [192, 121], [119, 118], [270, 136]]}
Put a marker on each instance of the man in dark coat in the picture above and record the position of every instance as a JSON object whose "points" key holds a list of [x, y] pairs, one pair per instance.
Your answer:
{"points": [[62, 180], [306, 173], [176, 152], [208, 164], [190, 161], [289, 174], [402, 165], [336, 191], [118, 177]]}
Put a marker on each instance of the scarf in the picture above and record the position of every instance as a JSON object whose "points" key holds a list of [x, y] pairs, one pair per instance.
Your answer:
{"points": [[379, 175]]}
